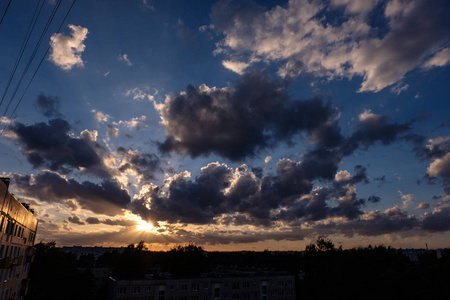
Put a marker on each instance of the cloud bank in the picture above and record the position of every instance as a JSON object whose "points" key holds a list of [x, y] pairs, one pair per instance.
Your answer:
{"points": [[336, 39]]}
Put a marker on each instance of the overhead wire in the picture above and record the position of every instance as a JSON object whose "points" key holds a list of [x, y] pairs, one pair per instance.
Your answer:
{"points": [[4, 14], [26, 39], [25, 71], [40, 63]]}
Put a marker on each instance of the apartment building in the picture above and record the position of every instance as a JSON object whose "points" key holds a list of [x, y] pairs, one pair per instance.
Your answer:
{"points": [[96, 251], [231, 285], [18, 228]]}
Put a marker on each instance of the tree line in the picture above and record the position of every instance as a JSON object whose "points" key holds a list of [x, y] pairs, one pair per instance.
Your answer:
{"points": [[322, 271]]}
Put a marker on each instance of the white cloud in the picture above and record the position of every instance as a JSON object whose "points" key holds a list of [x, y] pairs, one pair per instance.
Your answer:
{"points": [[437, 142], [137, 123], [440, 167], [399, 87], [5, 121], [124, 57], [440, 59], [147, 4], [67, 50], [342, 176], [423, 205], [300, 37], [136, 94], [235, 66], [89, 135], [356, 7], [100, 117], [368, 116], [268, 159], [407, 199]]}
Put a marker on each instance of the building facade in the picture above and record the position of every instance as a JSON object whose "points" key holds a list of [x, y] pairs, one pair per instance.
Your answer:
{"points": [[96, 251], [18, 228], [250, 286]]}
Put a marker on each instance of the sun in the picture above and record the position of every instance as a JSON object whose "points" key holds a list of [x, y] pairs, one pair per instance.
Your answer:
{"points": [[144, 226]]}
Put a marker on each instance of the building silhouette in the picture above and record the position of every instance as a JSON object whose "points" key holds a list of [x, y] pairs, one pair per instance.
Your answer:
{"points": [[18, 228], [223, 285]]}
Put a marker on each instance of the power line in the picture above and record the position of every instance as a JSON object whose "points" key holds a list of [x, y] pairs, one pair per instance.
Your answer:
{"points": [[4, 14], [30, 30], [37, 69], [41, 38]]}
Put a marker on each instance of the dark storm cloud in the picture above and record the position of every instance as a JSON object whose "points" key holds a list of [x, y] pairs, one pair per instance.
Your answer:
{"points": [[106, 197], [374, 199], [49, 105], [144, 164], [438, 220], [75, 220], [436, 148], [315, 206], [374, 128], [111, 222], [187, 201], [93, 220], [248, 198], [380, 179], [236, 122], [52, 146], [375, 223], [437, 152]]}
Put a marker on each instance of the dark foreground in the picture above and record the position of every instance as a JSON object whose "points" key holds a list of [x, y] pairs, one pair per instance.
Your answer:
{"points": [[321, 271]]}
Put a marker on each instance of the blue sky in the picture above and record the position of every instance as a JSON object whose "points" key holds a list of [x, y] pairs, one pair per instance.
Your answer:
{"points": [[232, 124]]}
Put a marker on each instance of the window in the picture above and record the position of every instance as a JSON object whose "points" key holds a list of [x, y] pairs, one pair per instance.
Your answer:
{"points": [[194, 297], [122, 290], [183, 298], [280, 282], [161, 295], [195, 287], [216, 292], [264, 290], [135, 289], [235, 285], [246, 295], [183, 287], [246, 285], [280, 292], [205, 286], [235, 296]]}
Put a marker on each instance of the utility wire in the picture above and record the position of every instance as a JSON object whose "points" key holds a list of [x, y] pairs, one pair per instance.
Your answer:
{"points": [[24, 45], [4, 14], [41, 38], [37, 69]]}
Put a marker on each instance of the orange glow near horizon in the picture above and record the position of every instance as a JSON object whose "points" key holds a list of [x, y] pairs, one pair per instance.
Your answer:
{"points": [[145, 226]]}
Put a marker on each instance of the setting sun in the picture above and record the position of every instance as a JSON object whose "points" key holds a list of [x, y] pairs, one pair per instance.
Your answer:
{"points": [[144, 226]]}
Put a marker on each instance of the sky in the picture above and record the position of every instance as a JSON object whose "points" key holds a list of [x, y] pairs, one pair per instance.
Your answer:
{"points": [[235, 125]]}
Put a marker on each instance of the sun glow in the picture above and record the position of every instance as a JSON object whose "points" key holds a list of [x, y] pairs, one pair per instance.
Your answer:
{"points": [[144, 226]]}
